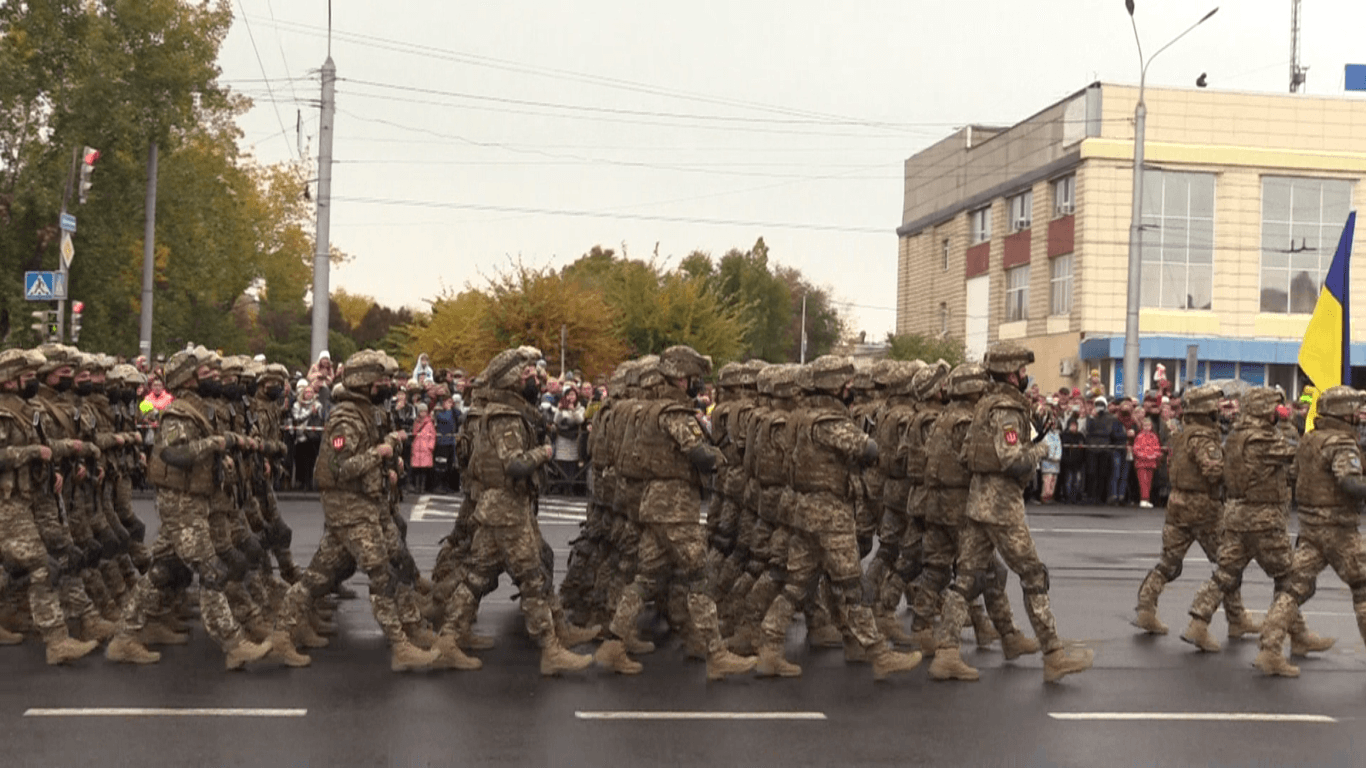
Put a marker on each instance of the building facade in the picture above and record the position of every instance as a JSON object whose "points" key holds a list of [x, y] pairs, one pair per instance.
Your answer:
{"points": [[1022, 233]]}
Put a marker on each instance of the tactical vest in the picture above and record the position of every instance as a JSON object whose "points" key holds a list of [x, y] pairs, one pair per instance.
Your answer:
{"points": [[917, 460], [945, 468], [19, 433], [979, 448], [770, 445], [198, 479], [601, 425], [1316, 485], [729, 430], [654, 454], [1184, 470], [631, 462], [486, 467], [324, 472], [1256, 484], [892, 424], [814, 467]]}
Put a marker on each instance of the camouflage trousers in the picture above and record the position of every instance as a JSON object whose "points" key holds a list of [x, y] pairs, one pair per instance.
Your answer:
{"points": [[811, 555], [941, 553], [1317, 547], [1270, 548], [493, 549], [978, 544], [1177, 539], [677, 551], [23, 556], [184, 534], [362, 545]]}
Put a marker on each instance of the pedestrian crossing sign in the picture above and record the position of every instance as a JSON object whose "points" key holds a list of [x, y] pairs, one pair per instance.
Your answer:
{"points": [[44, 286]]}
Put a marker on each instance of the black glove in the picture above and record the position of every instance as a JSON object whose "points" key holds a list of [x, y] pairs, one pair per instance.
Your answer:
{"points": [[255, 553], [281, 533], [406, 567], [109, 544], [121, 534], [137, 530]]}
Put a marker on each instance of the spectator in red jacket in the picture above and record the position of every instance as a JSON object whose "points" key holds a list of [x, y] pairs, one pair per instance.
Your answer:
{"points": [[1147, 453]]}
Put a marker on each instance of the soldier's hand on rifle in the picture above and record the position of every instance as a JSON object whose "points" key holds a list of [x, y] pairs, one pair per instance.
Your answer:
{"points": [[99, 478], [119, 441], [384, 450], [550, 451], [77, 446], [393, 478], [219, 443], [44, 453], [398, 436], [57, 483], [80, 472]]}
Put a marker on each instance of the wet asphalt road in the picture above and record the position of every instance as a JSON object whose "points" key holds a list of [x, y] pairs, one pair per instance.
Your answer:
{"points": [[349, 709]]}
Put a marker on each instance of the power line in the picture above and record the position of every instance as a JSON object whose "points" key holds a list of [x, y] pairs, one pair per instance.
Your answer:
{"points": [[281, 46], [262, 65]]}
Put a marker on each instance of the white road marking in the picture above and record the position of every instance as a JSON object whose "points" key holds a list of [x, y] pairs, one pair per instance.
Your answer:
{"points": [[161, 712], [635, 715], [1097, 530], [1230, 717]]}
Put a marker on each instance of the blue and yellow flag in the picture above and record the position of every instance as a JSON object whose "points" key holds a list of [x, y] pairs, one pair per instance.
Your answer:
{"points": [[1325, 353]]}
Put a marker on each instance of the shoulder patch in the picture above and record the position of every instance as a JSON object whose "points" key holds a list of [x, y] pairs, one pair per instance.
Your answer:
{"points": [[339, 442], [1012, 436]]}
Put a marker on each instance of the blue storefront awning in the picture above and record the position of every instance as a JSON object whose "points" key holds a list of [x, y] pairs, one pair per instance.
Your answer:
{"points": [[1268, 351]]}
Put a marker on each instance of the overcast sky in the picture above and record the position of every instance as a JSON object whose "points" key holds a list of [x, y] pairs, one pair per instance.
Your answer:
{"points": [[468, 134]]}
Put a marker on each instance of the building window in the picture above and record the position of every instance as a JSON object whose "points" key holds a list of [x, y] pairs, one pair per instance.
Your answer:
{"points": [[1017, 294], [1064, 190], [1301, 222], [945, 254], [979, 224], [1021, 210], [1060, 285], [943, 318], [1178, 240]]}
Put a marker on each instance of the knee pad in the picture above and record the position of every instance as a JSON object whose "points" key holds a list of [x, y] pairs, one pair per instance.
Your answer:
{"points": [[253, 551], [213, 574], [1034, 579], [1169, 568], [969, 584], [847, 591], [281, 534], [235, 564], [384, 581], [887, 552], [865, 544], [1358, 593], [794, 594], [910, 562], [161, 575], [1229, 582], [934, 579]]}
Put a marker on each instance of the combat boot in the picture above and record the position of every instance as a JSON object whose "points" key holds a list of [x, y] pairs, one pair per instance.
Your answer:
{"points": [[305, 636], [1198, 635], [406, 656], [887, 661], [1065, 661], [923, 640], [452, 657], [282, 650], [744, 640], [1271, 662], [1243, 625], [1016, 644], [982, 629], [94, 627], [893, 631], [948, 664], [634, 645], [257, 629], [555, 658], [612, 655], [694, 647], [239, 650], [571, 635], [1146, 620], [722, 663], [321, 625], [827, 636], [10, 638], [65, 649], [472, 641], [772, 664], [125, 649], [855, 653], [156, 633], [421, 635], [1310, 642]]}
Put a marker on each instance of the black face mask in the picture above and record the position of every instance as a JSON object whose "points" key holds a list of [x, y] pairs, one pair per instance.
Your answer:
{"points": [[274, 392], [29, 390], [85, 388], [381, 395], [210, 387], [531, 390], [251, 388], [64, 383], [694, 387], [847, 396], [232, 391]]}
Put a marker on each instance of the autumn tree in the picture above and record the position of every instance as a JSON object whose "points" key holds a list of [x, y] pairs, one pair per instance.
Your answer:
{"points": [[923, 346]]}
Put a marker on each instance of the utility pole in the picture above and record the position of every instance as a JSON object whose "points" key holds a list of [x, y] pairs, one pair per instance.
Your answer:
{"points": [[803, 354], [1297, 73], [322, 253], [149, 232], [61, 260]]}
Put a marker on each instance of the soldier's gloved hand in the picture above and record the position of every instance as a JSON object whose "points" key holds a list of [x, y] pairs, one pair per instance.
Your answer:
{"points": [[256, 554], [90, 553], [121, 534], [280, 534], [108, 542], [137, 530]]}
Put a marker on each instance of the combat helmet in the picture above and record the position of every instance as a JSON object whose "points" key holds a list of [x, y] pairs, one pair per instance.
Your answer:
{"points": [[184, 364], [930, 380], [126, 374], [682, 361], [56, 356], [504, 371], [968, 379], [1202, 400], [863, 375], [362, 369], [16, 362], [1006, 357], [897, 376], [645, 374], [779, 381], [1261, 402], [827, 373], [1341, 402], [275, 372]]}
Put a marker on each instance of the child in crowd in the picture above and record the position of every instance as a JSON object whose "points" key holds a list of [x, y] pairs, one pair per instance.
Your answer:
{"points": [[1147, 452]]}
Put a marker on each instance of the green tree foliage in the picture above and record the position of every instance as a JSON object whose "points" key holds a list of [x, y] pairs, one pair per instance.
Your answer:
{"points": [[921, 346], [824, 325]]}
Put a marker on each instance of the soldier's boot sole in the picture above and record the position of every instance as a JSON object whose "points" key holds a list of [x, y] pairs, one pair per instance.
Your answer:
{"points": [[1066, 661], [1310, 643], [1271, 662], [126, 650], [1146, 620], [772, 664], [67, 650], [1016, 644], [1198, 635], [613, 655], [723, 664], [948, 664]]}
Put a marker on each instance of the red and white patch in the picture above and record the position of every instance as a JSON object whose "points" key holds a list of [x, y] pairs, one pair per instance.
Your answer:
{"points": [[1012, 437], [339, 442]]}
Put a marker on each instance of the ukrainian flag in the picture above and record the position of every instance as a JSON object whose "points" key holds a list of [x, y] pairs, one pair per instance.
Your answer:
{"points": [[1325, 353]]}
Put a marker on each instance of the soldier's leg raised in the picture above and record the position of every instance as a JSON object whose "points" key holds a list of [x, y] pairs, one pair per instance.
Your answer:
{"points": [[22, 553], [1275, 554], [840, 561], [975, 551], [1176, 540], [1233, 557]]}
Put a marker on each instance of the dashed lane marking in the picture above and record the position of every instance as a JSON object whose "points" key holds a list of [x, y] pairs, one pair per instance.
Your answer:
{"points": [[1228, 717], [639, 715], [160, 712]]}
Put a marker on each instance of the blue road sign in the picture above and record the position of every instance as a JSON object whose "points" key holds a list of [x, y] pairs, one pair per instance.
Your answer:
{"points": [[1356, 77], [68, 222], [38, 286]]}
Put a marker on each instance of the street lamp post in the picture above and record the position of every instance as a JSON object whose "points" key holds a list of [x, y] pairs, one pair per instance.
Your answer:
{"points": [[1131, 375]]}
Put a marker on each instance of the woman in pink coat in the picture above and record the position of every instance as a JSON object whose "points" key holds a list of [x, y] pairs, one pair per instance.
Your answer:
{"points": [[424, 445], [1147, 452]]}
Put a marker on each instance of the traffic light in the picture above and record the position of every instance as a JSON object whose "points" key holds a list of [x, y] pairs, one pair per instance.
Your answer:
{"points": [[76, 308], [46, 324], [87, 169]]}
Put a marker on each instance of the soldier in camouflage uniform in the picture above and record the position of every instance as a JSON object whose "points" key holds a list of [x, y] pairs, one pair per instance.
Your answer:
{"points": [[1329, 489], [122, 383], [354, 487], [96, 411], [182, 470], [869, 396], [1257, 462], [670, 445], [24, 474], [827, 450], [1195, 510], [1003, 457], [265, 410], [947, 483], [505, 457], [729, 422], [884, 584]]}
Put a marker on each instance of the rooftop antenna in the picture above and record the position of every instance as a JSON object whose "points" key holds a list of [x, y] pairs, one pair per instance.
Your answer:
{"points": [[1297, 73]]}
